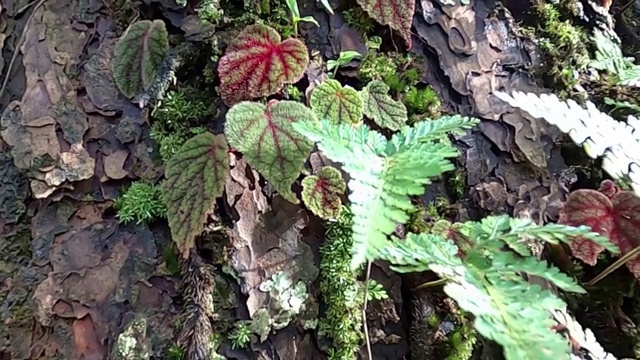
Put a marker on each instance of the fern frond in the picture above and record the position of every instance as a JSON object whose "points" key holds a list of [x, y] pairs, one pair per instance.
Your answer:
{"points": [[427, 131], [486, 280], [598, 133], [382, 177], [506, 308]]}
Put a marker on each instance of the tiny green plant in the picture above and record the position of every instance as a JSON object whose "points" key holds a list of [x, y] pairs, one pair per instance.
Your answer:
{"points": [[240, 336], [141, 202], [295, 16], [344, 58]]}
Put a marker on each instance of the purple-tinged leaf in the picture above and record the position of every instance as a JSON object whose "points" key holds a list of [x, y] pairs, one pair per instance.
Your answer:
{"points": [[332, 101], [396, 13]]}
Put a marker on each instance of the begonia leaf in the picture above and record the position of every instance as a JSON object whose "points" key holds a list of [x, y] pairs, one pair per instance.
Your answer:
{"points": [[396, 13], [332, 101], [321, 192], [381, 108], [257, 63], [138, 55], [265, 136], [609, 212], [195, 177]]}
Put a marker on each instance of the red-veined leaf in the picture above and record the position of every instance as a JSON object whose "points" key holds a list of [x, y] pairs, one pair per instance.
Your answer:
{"points": [[396, 13], [332, 101], [617, 217], [381, 108], [321, 192], [138, 55], [258, 64], [195, 177], [266, 138]]}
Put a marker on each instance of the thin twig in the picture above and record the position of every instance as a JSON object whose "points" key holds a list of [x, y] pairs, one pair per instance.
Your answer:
{"points": [[19, 44], [364, 312]]}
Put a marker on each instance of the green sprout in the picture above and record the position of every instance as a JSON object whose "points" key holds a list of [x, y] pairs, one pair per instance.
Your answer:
{"points": [[141, 202], [327, 6], [295, 16], [344, 58], [240, 336]]}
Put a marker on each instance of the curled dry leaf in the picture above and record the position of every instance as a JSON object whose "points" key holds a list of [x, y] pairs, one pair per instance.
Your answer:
{"points": [[266, 138], [195, 177], [257, 63], [321, 192], [617, 217]]}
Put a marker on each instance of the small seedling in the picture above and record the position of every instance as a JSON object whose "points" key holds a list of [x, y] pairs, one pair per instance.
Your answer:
{"points": [[240, 336], [295, 16], [327, 6], [344, 58]]}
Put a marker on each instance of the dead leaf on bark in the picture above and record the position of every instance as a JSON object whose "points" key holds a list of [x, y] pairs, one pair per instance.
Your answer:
{"points": [[265, 243], [104, 271], [114, 163]]}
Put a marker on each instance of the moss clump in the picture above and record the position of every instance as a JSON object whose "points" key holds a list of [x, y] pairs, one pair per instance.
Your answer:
{"points": [[563, 44], [359, 20], [422, 102], [402, 73], [342, 321], [181, 109], [141, 202]]}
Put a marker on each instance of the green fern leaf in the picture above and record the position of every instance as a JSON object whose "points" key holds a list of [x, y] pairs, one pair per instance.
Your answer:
{"points": [[195, 177], [382, 180], [265, 136], [381, 108], [330, 100]]}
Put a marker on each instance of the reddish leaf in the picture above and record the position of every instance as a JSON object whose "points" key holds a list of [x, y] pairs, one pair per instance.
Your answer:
{"points": [[321, 192], [591, 208], [618, 218], [258, 64], [396, 13]]}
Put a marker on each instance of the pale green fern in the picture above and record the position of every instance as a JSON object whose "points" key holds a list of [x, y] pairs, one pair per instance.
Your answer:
{"points": [[598, 133], [384, 173], [486, 280]]}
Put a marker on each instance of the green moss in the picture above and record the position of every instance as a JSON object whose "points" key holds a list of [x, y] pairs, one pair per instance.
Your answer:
{"points": [[291, 92], [141, 202], [210, 10], [359, 20], [181, 109], [422, 103], [342, 321], [563, 44], [271, 12], [437, 209], [417, 223], [462, 341]]}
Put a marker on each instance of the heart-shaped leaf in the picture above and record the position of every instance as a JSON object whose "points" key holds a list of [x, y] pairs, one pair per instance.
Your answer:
{"points": [[332, 101], [617, 217], [138, 55], [195, 177], [381, 108], [266, 138], [396, 13], [258, 64], [321, 192]]}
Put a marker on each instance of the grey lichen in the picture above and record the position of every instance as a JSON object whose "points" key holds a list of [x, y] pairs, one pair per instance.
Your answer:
{"points": [[132, 343]]}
